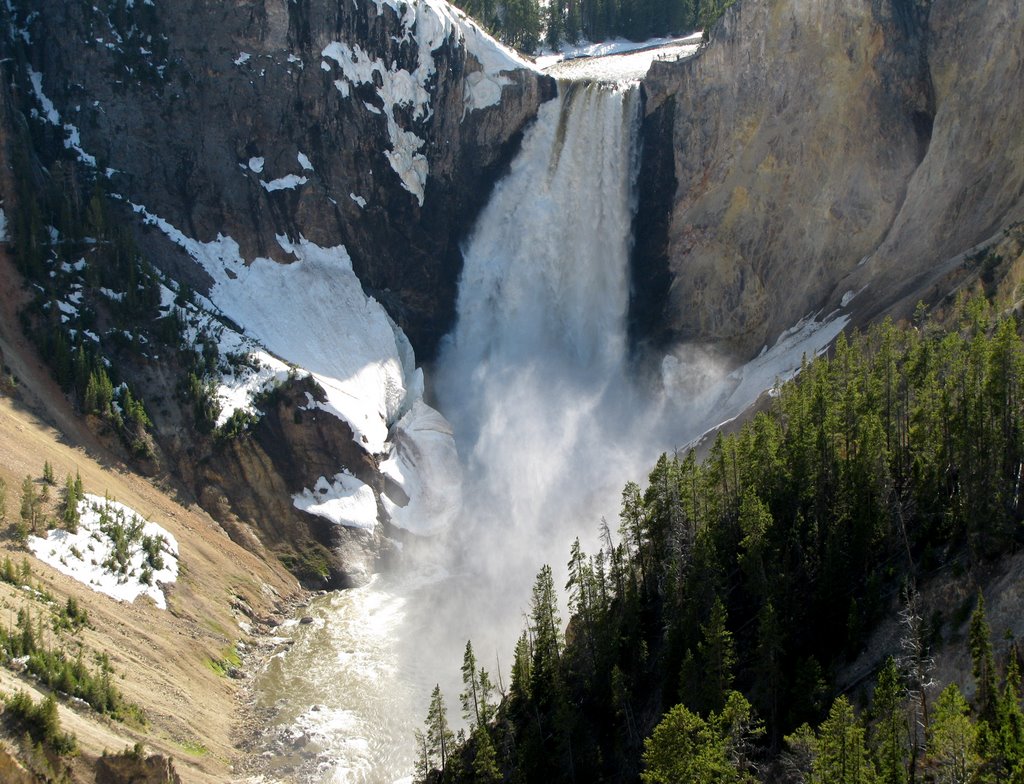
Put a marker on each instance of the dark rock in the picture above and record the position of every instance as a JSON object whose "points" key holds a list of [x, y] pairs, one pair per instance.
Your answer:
{"points": [[180, 124]]}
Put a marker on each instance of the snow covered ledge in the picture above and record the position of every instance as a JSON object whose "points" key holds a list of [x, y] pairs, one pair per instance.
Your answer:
{"points": [[323, 323]]}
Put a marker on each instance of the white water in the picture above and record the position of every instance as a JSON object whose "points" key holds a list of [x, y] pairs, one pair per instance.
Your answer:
{"points": [[550, 419]]}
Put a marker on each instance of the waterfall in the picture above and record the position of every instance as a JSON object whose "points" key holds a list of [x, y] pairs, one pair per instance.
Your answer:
{"points": [[545, 271], [535, 376], [551, 419]]}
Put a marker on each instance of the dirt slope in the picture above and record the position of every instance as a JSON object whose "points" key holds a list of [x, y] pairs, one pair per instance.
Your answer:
{"points": [[161, 658]]}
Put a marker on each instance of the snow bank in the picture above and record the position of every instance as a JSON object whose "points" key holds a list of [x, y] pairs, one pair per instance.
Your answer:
{"points": [[617, 60], [321, 321], [287, 182], [115, 551], [246, 369], [313, 317], [344, 501]]}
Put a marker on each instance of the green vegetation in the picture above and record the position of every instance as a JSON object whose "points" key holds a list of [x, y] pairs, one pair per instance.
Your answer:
{"points": [[96, 313], [194, 747], [40, 721], [55, 669], [229, 660], [311, 564], [126, 533], [740, 584]]}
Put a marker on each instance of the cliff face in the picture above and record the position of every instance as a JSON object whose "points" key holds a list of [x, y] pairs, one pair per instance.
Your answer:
{"points": [[818, 148], [379, 126], [295, 156]]}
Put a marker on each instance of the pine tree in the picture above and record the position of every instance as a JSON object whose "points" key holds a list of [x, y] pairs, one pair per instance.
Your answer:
{"points": [[979, 639], [717, 656], [519, 687], [486, 692], [48, 475], [71, 498], [841, 755], [890, 738], [30, 512], [440, 740], [469, 698], [546, 627], [953, 739], [1010, 725], [485, 761], [685, 748]]}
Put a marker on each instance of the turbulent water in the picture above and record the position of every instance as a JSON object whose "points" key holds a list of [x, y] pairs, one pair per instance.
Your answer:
{"points": [[550, 420]]}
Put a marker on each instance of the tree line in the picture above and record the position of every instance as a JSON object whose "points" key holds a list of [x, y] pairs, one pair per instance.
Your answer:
{"points": [[527, 25], [737, 586]]}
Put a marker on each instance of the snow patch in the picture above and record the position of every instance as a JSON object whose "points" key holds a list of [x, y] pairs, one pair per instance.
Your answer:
{"points": [[50, 113], [358, 199], [428, 24], [284, 183], [344, 501], [115, 551], [256, 165], [73, 140], [3, 225], [617, 61], [304, 161], [242, 58], [323, 324], [321, 321], [116, 296]]}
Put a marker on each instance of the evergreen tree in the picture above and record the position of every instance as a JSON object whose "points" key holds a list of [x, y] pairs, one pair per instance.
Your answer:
{"points": [[842, 757], [1009, 739], [519, 687], [890, 738], [979, 638], [70, 514], [485, 688], [717, 657], [953, 739], [31, 514], [469, 698], [485, 761], [439, 740], [687, 748], [546, 628]]}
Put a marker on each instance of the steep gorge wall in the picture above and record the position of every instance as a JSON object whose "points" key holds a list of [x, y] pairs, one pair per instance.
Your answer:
{"points": [[380, 127], [815, 148], [177, 98]]}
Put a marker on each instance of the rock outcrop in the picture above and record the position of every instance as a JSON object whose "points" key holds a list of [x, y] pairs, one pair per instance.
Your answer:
{"points": [[817, 148]]}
